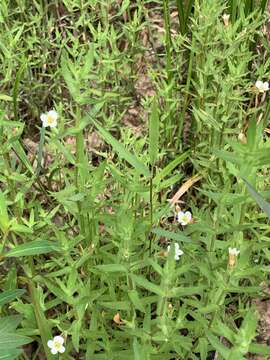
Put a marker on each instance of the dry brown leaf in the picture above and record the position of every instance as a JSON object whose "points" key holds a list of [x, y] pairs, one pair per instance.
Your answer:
{"points": [[184, 188], [117, 319]]}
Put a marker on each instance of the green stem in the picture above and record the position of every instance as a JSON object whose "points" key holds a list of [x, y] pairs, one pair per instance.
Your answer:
{"points": [[79, 168], [168, 39], [41, 320], [187, 97], [151, 211], [181, 16], [40, 149]]}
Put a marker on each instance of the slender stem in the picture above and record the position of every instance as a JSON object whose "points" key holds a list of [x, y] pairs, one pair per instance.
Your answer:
{"points": [[42, 323], [168, 39], [187, 97], [181, 16], [169, 70], [40, 149], [151, 210], [79, 161], [263, 5]]}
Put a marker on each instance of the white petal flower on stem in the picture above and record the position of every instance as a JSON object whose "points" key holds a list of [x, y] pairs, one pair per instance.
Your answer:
{"points": [[184, 218], [233, 253], [56, 345], [262, 86], [177, 251], [49, 119], [226, 18]]}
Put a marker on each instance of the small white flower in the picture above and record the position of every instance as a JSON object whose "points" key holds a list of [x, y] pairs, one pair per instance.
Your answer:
{"points": [[56, 345], [262, 86], [184, 218], [242, 137], [226, 18], [49, 119], [234, 251], [177, 251]]}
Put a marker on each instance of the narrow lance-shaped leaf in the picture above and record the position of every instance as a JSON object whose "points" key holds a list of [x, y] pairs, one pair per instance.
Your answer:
{"points": [[263, 204], [9, 295], [4, 220], [122, 151], [35, 247]]}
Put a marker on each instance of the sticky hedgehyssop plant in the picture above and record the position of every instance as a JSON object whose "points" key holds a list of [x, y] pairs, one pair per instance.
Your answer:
{"points": [[124, 236]]}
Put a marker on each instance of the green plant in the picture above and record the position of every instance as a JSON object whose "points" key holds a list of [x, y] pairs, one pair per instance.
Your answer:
{"points": [[91, 248]]}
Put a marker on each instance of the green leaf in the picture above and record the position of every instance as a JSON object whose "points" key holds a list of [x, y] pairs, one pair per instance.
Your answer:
{"points": [[5, 97], [19, 151], [171, 235], [4, 220], [11, 341], [214, 341], [136, 301], [228, 156], [75, 333], [259, 349], [186, 291], [115, 305], [122, 151], [142, 282], [35, 247], [263, 204], [9, 295], [10, 354], [111, 268], [9, 323], [170, 167], [15, 91], [154, 132], [203, 348]]}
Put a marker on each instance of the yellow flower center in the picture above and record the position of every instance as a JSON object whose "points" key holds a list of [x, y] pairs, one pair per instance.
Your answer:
{"points": [[50, 120], [57, 345]]}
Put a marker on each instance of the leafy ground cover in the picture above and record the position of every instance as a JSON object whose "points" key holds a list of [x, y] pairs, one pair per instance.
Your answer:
{"points": [[134, 180]]}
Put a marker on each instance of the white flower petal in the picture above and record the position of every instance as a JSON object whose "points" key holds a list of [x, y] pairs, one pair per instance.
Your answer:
{"points": [[188, 215], [43, 117], [259, 84], [53, 125], [265, 86], [62, 349], [184, 217], [50, 344], [180, 214], [59, 339], [54, 351], [233, 251], [53, 114], [177, 251], [262, 86], [180, 252]]}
